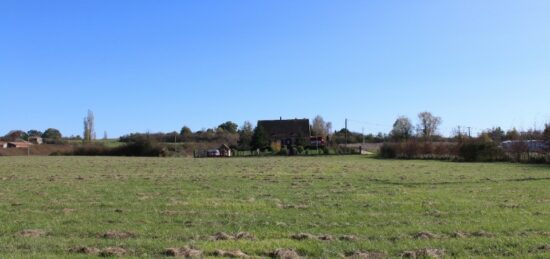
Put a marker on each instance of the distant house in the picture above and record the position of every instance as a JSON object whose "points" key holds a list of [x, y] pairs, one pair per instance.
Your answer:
{"points": [[3, 144], [36, 140], [19, 144], [287, 132], [225, 150]]}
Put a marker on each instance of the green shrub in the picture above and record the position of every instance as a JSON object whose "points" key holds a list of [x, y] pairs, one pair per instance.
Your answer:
{"points": [[388, 151], [283, 152], [480, 152]]}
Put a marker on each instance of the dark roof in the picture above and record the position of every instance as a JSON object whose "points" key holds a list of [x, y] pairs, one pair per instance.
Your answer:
{"points": [[283, 128], [19, 144]]}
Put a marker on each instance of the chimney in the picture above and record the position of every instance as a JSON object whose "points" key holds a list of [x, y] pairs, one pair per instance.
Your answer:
{"points": [[281, 118]]}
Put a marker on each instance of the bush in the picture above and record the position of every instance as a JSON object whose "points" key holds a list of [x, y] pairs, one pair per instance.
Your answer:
{"points": [[276, 147], [283, 152], [480, 152], [300, 149], [143, 148], [388, 151]]}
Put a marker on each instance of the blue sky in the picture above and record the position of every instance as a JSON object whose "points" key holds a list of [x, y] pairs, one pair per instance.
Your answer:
{"points": [[159, 65]]}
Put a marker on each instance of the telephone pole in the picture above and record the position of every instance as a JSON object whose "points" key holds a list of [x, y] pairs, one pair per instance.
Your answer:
{"points": [[469, 132], [346, 136]]}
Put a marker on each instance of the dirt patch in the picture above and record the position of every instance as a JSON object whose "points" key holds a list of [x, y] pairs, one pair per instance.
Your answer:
{"points": [[32, 233], [326, 237], [459, 234], [292, 206], [303, 236], [118, 234], [85, 250], [366, 255], [232, 254], [222, 236], [68, 211], [425, 252], [544, 248], [431, 252], [238, 236], [425, 235], [348, 238], [112, 251], [482, 233], [283, 253], [184, 252], [245, 235]]}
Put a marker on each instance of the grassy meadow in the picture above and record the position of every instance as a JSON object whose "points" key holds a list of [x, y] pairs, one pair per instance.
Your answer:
{"points": [[50, 206]]}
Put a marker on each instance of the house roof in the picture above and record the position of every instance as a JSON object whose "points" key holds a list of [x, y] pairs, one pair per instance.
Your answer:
{"points": [[20, 143], [282, 128]]}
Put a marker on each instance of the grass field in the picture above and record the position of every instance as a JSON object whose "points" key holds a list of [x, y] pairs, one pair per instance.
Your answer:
{"points": [[385, 207]]}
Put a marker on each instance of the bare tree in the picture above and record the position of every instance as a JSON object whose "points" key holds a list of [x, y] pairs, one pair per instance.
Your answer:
{"points": [[89, 130], [428, 124], [402, 128], [105, 135], [320, 127], [546, 132], [458, 134]]}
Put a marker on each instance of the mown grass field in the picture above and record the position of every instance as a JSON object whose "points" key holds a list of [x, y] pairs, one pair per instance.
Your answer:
{"points": [[388, 206]]}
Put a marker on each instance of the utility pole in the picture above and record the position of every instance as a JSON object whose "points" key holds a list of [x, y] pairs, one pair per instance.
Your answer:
{"points": [[469, 132], [346, 136]]}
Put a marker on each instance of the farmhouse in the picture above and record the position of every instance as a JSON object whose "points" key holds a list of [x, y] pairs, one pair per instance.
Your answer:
{"points": [[36, 140], [286, 132], [225, 150], [19, 144]]}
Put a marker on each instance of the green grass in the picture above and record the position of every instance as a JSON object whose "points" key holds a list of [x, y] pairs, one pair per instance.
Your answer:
{"points": [[174, 202]]}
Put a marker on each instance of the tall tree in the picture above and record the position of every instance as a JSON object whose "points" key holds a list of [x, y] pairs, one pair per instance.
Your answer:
{"points": [[428, 124], [229, 126], [546, 132], [89, 130], [52, 136], [245, 136], [512, 134], [402, 129], [496, 134], [260, 140], [319, 127], [16, 135], [34, 133], [186, 132]]}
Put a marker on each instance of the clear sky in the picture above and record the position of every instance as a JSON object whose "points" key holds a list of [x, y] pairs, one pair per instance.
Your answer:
{"points": [[159, 65]]}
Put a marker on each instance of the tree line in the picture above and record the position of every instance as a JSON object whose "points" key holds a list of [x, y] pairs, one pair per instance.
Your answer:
{"points": [[410, 142]]}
